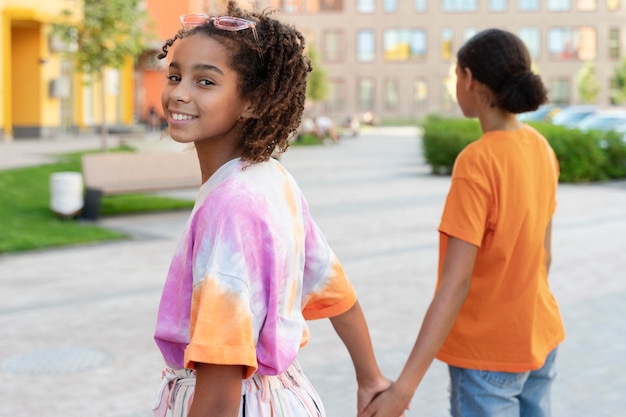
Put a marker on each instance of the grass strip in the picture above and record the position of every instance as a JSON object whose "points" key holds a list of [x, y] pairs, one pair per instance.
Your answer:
{"points": [[27, 223]]}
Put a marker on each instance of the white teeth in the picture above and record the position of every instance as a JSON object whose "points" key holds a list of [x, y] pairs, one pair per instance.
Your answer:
{"points": [[178, 116]]}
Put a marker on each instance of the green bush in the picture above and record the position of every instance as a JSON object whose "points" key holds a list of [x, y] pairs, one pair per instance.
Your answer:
{"points": [[582, 156], [614, 147], [444, 138]]}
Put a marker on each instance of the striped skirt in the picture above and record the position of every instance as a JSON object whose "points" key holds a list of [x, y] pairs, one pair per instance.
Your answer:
{"points": [[289, 394]]}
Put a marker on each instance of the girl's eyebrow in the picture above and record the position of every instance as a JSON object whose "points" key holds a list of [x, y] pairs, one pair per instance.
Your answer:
{"points": [[200, 67], [207, 67]]}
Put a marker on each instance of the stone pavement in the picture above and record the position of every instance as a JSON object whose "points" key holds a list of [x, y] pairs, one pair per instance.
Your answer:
{"points": [[77, 322]]}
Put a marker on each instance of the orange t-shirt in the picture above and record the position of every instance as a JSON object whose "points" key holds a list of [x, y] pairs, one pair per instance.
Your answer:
{"points": [[502, 197]]}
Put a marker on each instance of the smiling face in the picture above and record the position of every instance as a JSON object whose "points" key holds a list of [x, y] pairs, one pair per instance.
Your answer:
{"points": [[201, 100]]}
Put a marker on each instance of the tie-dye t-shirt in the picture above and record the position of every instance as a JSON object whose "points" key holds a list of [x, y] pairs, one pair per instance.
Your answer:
{"points": [[250, 268]]}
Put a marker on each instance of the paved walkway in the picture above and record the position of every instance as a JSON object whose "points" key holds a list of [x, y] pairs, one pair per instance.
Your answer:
{"points": [[77, 322]]}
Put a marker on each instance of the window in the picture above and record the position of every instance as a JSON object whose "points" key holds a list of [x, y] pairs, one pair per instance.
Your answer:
{"points": [[307, 6], [468, 33], [366, 94], [459, 5], [420, 5], [614, 43], [420, 95], [528, 5], [332, 49], [448, 97], [446, 44], [365, 45], [559, 91], [391, 94], [531, 38], [330, 5], [390, 6], [568, 43], [404, 44], [613, 5], [587, 5], [336, 92], [288, 6], [498, 5], [558, 5], [365, 6]]}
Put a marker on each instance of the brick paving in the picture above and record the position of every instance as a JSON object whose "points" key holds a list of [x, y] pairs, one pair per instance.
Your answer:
{"points": [[78, 321]]}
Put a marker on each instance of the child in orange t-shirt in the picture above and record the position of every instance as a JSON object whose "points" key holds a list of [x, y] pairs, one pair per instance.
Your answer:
{"points": [[493, 319]]}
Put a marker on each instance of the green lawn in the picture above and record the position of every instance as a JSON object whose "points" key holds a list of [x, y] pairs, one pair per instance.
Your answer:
{"points": [[27, 223]]}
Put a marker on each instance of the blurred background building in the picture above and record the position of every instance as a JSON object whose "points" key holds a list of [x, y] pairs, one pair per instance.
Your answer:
{"points": [[394, 57], [42, 94], [391, 58]]}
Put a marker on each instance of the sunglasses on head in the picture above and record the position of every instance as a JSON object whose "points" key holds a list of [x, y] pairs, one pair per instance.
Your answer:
{"points": [[230, 23]]}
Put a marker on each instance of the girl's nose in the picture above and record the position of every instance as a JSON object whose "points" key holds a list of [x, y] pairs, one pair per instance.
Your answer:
{"points": [[180, 93]]}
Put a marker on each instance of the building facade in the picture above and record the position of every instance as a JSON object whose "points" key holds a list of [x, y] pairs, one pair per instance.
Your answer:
{"points": [[42, 94], [392, 58], [395, 58]]}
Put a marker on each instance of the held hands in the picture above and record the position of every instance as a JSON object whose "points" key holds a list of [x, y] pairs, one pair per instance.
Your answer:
{"points": [[367, 392], [392, 402]]}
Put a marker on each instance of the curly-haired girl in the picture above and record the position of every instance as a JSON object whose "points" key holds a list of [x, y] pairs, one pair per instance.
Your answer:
{"points": [[251, 265]]}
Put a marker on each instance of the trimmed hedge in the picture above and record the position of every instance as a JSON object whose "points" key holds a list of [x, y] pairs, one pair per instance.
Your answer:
{"points": [[583, 156]]}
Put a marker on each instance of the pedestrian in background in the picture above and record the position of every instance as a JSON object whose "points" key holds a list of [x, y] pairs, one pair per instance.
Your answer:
{"points": [[251, 265], [493, 318]]}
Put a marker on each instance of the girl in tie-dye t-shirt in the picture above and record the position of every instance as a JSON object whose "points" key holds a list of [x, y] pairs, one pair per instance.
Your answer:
{"points": [[251, 266]]}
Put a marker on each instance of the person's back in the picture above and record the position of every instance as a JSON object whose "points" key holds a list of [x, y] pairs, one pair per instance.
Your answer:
{"points": [[516, 173], [493, 319]]}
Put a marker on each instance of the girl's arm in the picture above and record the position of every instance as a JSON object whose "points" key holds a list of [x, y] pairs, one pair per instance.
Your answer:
{"points": [[218, 390], [440, 317], [352, 330]]}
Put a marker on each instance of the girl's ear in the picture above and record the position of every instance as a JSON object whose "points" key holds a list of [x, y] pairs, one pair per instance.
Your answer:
{"points": [[250, 111], [469, 79]]}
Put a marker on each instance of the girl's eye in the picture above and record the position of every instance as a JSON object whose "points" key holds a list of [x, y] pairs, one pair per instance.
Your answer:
{"points": [[205, 82], [173, 78]]}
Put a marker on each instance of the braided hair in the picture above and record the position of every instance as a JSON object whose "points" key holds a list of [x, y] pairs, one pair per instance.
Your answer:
{"points": [[272, 73]]}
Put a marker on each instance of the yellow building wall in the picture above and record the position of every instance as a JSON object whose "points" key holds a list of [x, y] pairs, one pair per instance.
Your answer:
{"points": [[28, 66], [25, 80]]}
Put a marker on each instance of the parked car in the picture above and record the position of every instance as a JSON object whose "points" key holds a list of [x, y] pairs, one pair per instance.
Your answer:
{"points": [[604, 120], [570, 116], [543, 113]]}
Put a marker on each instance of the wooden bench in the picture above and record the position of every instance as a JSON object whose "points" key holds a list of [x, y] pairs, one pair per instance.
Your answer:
{"points": [[135, 172]]}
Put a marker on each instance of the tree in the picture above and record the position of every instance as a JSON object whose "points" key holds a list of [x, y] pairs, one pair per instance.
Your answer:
{"points": [[317, 83], [108, 33], [618, 91], [587, 83]]}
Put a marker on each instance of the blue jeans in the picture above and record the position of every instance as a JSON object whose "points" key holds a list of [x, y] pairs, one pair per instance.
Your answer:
{"points": [[476, 393]]}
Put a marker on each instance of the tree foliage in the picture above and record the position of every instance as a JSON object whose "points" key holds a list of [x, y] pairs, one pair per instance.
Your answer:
{"points": [[587, 83], [317, 83], [618, 92], [103, 34], [106, 34]]}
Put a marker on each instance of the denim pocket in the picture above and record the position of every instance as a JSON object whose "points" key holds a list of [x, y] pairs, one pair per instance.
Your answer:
{"points": [[504, 379]]}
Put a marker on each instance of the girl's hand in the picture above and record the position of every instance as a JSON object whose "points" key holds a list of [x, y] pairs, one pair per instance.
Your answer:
{"points": [[392, 402], [367, 392]]}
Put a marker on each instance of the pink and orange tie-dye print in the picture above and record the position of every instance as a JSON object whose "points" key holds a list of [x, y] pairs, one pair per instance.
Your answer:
{"points": [[250, 267]]}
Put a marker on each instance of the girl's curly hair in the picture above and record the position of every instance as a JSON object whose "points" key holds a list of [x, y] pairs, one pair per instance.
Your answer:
{"points": [[272, 73]]}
